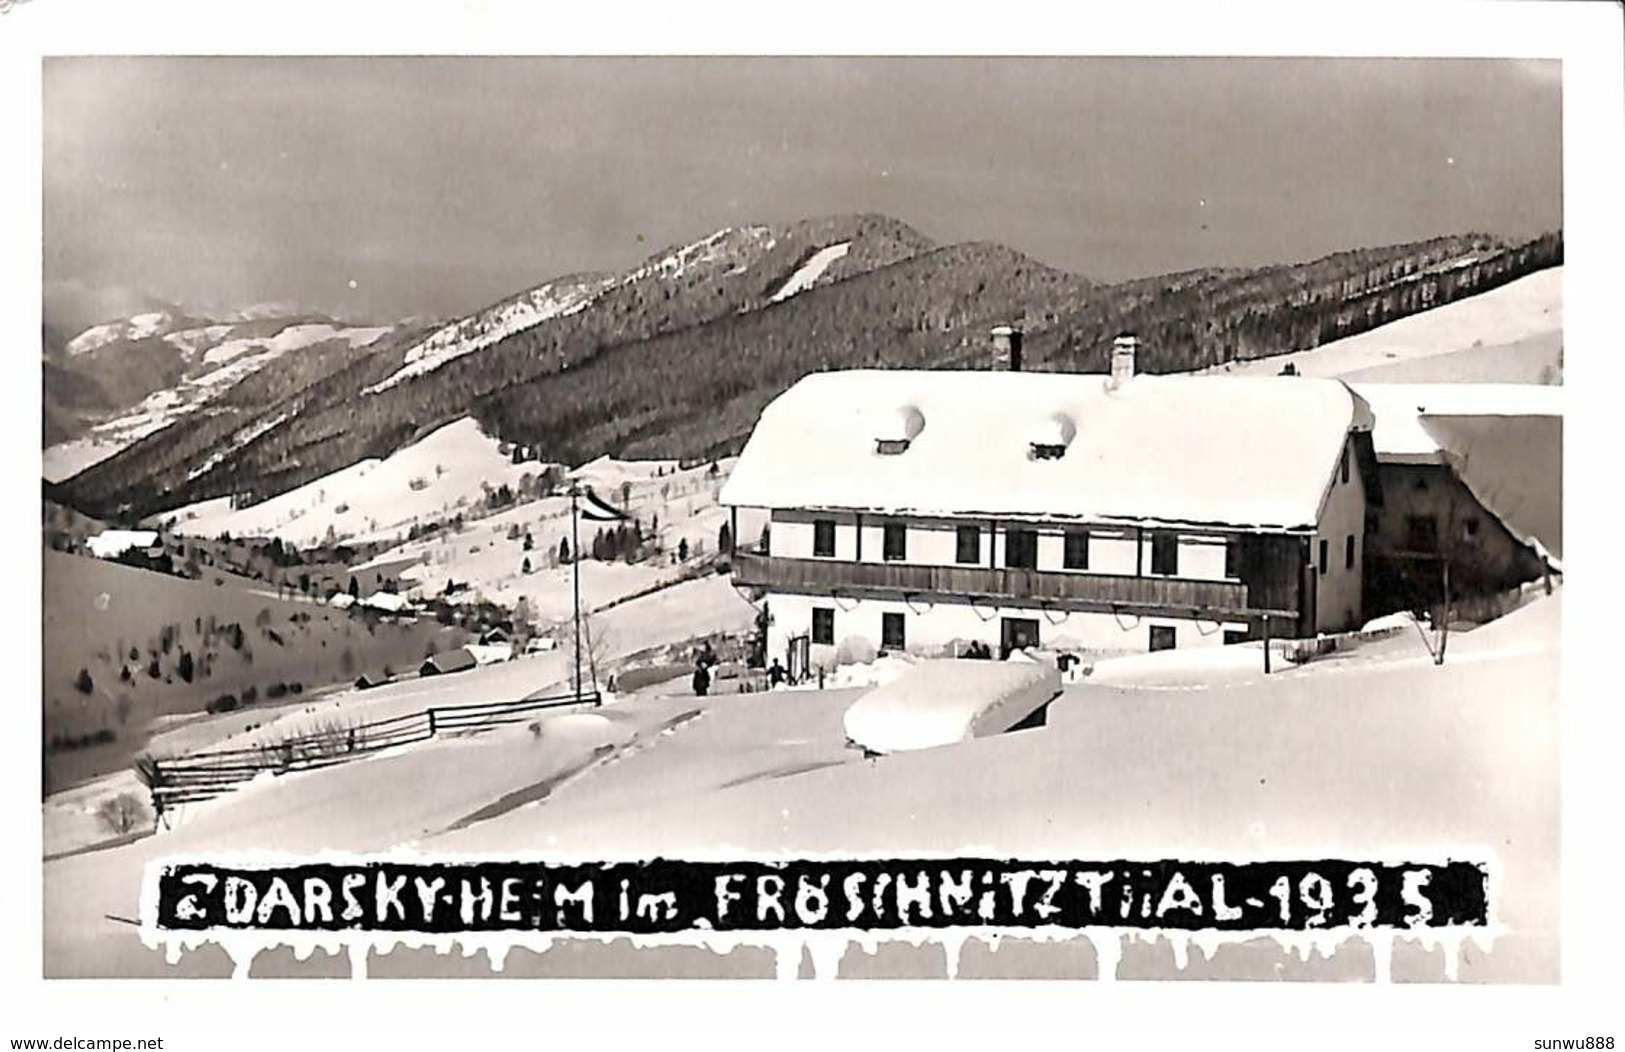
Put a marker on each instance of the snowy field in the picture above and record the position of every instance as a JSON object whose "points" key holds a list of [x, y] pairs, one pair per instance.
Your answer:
{"points": [[1377, 754], [671, 616], [1493, 336], [487, 558], [448, 472], [429, 479]]}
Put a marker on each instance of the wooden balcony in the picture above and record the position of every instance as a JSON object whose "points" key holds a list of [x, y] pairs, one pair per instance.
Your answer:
{"points": [[1172, 596]]}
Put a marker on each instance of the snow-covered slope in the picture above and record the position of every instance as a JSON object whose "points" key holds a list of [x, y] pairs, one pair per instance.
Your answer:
{"points": [[213, 358], [293, 338], [810, 271], [1509, 334], [566, 296], [494, 324], [139, 327], [1117, 773], [487, 558], [446, 469], [725, 244]]}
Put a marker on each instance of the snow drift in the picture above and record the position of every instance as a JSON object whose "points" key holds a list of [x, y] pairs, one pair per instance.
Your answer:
{"points": [[947, 701]]}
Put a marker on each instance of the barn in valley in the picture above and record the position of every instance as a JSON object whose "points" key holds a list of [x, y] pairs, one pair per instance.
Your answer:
{"points": [[1472, 480], [459, 660], [923, 510]]}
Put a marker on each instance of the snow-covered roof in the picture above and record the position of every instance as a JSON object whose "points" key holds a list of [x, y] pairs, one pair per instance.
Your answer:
{"points": [[1401, 435], [387, 601], [1248, 452], [489, 653], [1504, 441], [111, 543]]}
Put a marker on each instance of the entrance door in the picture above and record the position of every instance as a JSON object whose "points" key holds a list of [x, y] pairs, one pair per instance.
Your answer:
{"points": [[1016, 633], [797, 658]]}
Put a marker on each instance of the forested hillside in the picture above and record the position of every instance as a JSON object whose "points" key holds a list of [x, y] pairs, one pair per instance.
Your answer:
{"points": [[676, 357]]}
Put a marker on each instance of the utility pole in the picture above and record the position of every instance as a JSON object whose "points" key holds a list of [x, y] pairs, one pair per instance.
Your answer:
{"points": [[575, 573]]}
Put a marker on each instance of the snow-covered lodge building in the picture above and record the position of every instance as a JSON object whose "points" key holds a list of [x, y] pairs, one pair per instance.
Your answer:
{"points": [[923, 510]]}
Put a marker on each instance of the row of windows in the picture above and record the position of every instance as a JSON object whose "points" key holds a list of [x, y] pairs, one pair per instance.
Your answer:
{"points": [[1021, 548], [892, 632], [1326, 554], [891, 628]]}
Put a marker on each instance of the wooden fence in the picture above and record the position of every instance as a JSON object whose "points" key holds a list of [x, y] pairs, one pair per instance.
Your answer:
{"points": [[202, 775]]}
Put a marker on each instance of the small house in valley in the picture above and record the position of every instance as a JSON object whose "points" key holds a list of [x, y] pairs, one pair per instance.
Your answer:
{"points": [[459, 660]]}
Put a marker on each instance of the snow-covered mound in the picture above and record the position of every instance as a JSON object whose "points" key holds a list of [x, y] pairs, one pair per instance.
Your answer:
{"points": [[1523, 316], [494, 324], [876, 673], [809, 272], [449, 468], [946, 701]]}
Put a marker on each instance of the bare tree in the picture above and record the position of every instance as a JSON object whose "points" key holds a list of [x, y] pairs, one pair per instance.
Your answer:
{"points": [[124, 813], [1455, 568], [594, 649]]}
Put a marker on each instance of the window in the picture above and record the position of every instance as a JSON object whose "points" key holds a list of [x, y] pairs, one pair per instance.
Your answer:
{"points": [[1345, 463], [1232, 636], [1232, 557], [1325, 555], [1165, 553], [1421, 533], [891, 631], [823, 626], [824, 538], [896, 542], [968, 548], [1348, 552], [1021, 549], [1469, 530], [1162, 637], [1076, 556]]}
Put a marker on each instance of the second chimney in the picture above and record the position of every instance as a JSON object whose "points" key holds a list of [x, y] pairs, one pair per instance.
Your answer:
{"points": [[1007, 348], [1123, 351]]}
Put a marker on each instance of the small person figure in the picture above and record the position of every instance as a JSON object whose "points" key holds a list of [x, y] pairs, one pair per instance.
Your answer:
{"points": [[775, 673], [702, 679]]}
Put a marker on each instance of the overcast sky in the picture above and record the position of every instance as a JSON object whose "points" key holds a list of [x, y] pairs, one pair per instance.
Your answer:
{"points": [[439, 185]]}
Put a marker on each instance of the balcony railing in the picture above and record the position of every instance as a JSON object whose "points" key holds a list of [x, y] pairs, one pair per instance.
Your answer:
{"points": [[1075, 590]]}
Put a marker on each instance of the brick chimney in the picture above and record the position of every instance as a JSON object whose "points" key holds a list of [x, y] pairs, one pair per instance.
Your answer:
{"points": [[1123, 351], [1007, 348]]}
